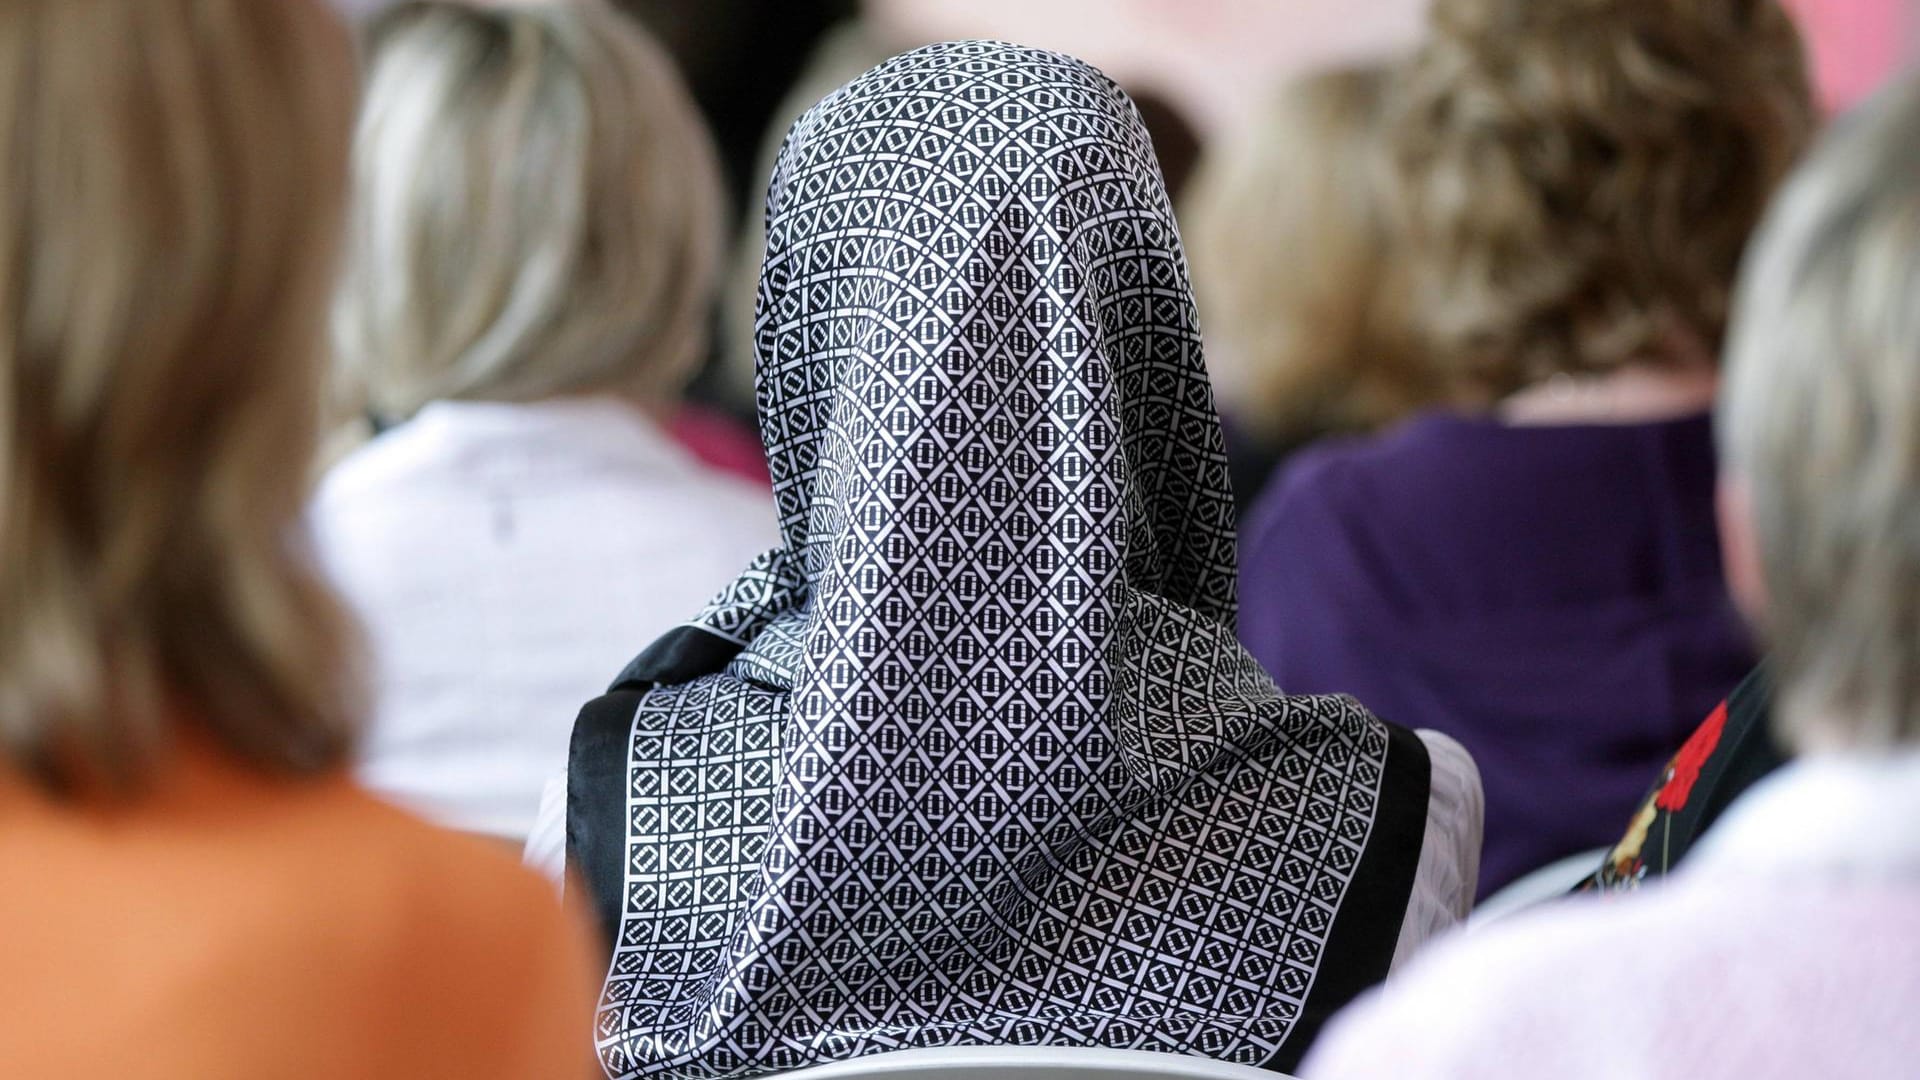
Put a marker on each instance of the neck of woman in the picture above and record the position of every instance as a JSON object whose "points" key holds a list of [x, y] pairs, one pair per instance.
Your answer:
{"points": [[1635, 394]]}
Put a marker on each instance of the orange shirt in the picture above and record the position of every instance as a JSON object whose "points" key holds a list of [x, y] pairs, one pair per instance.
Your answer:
{"points": [[231, 926]]}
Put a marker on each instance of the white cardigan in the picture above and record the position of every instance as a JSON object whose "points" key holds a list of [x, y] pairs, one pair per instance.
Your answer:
{"points": [[507, 561]]}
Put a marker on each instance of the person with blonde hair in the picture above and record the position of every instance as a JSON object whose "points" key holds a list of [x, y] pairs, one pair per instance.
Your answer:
{"points": [[1572, 183], [533, 238], [1294, 270], [1786, 946], [195, 887]]}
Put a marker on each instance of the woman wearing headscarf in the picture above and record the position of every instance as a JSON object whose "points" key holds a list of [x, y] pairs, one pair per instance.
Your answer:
{"points": [[973, 757], [1292, 244]]}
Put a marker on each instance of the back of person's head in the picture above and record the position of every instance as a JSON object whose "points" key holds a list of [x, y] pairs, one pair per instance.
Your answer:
{"points": [[1578, 178], [171, 203], [1821, 431], [536, 210], [1294, 269]]}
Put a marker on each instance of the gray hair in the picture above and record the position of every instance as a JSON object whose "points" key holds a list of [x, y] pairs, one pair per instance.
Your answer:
{"points": [[536, 210], [1821, 421]]}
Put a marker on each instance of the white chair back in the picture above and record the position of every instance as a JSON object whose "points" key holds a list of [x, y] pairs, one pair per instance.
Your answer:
{"points": [[1545, 885], [1038, 1062]]}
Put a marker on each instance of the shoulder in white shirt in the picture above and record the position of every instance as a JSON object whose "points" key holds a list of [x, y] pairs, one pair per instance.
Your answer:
{"points": [[507, 561]]}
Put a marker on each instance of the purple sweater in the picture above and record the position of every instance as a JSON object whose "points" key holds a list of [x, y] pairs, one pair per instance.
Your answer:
{"points": [[1550, 596]]}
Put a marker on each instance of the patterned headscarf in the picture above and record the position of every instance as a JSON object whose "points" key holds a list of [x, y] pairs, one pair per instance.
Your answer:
{"points": [[974, 756]]}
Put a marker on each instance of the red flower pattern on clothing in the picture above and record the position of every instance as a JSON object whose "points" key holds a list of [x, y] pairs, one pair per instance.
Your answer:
{"points": [[1688, 762]]}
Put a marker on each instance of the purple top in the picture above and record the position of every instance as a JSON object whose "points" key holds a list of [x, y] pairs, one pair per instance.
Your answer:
{"points": [[1550, 596]]}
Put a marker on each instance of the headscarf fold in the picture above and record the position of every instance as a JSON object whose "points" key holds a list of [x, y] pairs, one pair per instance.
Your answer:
{"points": [[974, 757]]}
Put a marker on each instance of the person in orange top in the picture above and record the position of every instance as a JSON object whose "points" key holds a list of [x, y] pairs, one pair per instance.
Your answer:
{"points": [[192, 886]]}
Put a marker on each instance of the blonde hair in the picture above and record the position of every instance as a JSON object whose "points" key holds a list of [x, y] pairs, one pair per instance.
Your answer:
{"points": [[1821, 422], [171, 204], [1293, 268], [536, 210], [1578, 178]]}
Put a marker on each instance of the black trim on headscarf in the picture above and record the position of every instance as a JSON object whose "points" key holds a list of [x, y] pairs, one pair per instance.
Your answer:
{"points": [[1366, 933], [597, 803], [597, 762]]}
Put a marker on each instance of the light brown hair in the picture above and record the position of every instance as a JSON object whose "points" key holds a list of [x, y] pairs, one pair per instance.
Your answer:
{"points": [[1293, 267], [1578, 178], [167, 222], [1820, 425], [536, 210]]}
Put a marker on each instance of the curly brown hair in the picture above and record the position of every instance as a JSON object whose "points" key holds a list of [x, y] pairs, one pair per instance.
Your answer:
{"points": [[1577, 178]]}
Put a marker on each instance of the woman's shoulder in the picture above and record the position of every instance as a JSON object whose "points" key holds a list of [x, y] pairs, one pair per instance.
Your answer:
{"points": [[1334, 479], [407, 949], [1441, 474], [445, 926], [414, 880]]}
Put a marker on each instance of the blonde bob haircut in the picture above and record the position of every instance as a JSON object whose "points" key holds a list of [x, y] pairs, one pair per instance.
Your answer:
{"points": [[535, 211], [1578, 178], [171, 201], [1294, 270], [1820, 424]]}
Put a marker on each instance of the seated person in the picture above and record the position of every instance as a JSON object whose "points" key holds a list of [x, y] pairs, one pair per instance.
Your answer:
{"points": [[973, 756], [1787, 944], [535, 228], [195, 889], [1574, 184]]}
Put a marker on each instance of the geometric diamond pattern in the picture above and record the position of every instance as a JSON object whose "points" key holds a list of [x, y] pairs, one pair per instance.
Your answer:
{"points": [[990, 765]]}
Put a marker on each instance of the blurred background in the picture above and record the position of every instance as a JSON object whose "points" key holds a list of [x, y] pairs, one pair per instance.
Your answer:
{"points": [[1201, 70], [1213, 59], [1507, 248]]}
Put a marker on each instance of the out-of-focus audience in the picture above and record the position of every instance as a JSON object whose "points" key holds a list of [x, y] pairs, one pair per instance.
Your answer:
{"points": [[1572, 184], [532, 258], [1787, 946], [1006, 733], [195, 889], [1176, 142], [1299, 285]]}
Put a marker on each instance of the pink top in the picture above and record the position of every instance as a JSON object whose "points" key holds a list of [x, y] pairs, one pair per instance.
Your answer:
{"points": [[1855, 45], [720, 442], [1790, 946]]}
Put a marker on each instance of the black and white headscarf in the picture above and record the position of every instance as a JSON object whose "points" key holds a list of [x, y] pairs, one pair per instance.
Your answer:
{"points": [[974, 757]]}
